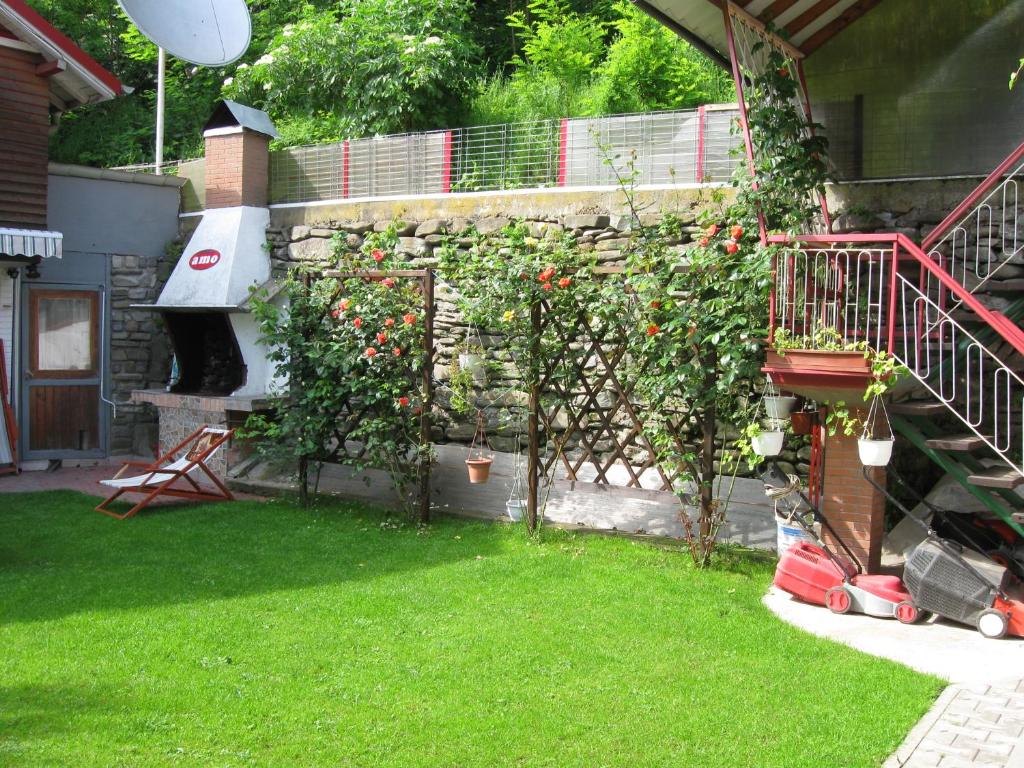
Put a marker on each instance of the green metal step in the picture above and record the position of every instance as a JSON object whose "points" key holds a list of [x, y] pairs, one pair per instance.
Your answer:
{"points": [[920, 431]]}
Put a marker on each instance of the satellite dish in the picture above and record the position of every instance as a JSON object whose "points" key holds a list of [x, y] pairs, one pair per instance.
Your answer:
{"points": [[210, 33]]}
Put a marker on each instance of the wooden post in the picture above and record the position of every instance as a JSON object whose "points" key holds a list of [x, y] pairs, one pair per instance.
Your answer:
{"points": [[533, 423], [427, 396]]}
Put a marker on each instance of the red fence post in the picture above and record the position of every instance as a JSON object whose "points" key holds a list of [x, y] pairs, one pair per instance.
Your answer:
{"points": [[701, 118], [446, 164]]}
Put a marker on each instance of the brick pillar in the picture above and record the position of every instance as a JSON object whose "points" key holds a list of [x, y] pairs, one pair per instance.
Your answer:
{"points": [[237, 161], [850, 504]]}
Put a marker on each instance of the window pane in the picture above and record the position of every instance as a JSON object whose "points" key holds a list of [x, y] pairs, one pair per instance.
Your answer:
{"points": [[65, 334]]}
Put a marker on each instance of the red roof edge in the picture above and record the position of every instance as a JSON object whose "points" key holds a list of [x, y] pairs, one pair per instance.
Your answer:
{"points": [[64, 43]]}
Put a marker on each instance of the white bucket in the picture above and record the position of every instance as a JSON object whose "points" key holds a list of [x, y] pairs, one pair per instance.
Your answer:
{"points": [[874, 453], [788, 534], [514, 508], [472, 362], [779, 406], [767, 443]]}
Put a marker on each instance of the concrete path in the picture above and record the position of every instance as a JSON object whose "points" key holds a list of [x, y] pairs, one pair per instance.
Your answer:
{"points": [[977, 721]]}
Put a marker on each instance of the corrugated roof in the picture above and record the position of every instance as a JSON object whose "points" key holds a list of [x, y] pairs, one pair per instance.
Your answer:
{"points": [[807, 24]]}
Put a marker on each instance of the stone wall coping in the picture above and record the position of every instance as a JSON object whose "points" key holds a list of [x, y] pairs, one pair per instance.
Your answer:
{"points": [[209, 403]]}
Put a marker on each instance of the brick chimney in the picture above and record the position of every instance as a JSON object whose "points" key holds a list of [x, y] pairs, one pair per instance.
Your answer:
{"points": [[237, 156]]}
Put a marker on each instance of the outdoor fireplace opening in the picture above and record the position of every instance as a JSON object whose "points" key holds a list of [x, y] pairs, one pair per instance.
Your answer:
{"points": [[209, 361]]}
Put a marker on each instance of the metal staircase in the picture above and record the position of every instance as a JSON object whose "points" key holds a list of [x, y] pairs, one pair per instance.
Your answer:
{"points": [[941, 310]]}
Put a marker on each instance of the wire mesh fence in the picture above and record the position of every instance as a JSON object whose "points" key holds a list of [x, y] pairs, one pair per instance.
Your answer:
{"points": [[680, 147]]}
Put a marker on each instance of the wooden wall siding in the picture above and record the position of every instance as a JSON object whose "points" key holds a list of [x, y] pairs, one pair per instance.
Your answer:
{"points": [[24, 136], [64, 418]]}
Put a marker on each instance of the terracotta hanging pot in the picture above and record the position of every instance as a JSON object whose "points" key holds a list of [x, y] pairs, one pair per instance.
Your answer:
{"points": [[479, 469], [803, 422]]}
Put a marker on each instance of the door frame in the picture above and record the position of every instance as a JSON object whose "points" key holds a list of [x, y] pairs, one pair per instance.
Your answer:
{"points": [[99, 377]]}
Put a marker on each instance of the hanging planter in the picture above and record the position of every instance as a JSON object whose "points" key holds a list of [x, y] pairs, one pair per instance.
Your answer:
{"points": [[479, 469], [874, 448], [803, 422], [768, 442], [479, 465], [473, 363], [515, 508], [779, 406]]}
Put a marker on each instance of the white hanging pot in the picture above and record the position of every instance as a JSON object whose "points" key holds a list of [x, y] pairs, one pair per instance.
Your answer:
{"points": [[874, 453], [472, 362], [767, 443], [779, 406]]}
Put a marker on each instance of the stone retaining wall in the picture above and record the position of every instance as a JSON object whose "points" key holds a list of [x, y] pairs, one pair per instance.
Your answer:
{"points": [[605, 232], [139, 350]]}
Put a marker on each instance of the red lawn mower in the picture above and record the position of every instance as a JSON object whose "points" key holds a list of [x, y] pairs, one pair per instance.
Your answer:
{"points": [[815, 574]]}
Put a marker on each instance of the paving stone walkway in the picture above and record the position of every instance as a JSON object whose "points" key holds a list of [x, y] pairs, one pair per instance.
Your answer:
{"points": [[971, 724]]}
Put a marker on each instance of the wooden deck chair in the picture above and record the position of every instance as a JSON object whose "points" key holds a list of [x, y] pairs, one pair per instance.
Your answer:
{"points": [[158, 478]]}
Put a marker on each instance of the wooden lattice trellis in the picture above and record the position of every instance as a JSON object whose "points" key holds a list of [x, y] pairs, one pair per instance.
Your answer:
{"points": [[592, 382], [355, 412]]}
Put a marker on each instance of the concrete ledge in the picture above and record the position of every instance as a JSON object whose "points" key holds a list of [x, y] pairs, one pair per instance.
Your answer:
{"points": [[575, 505]]}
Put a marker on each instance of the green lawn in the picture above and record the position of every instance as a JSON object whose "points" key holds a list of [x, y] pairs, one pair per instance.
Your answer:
{"points": [[260, 634]]}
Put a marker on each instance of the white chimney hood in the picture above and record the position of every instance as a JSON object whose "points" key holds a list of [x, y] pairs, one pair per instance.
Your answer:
{"points": [[225, 257]]}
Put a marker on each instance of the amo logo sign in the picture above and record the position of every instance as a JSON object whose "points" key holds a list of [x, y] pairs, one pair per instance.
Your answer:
{"points": [[204, 259]]}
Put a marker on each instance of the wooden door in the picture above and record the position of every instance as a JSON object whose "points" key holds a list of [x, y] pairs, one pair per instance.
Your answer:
{"points": [[62, 373]]}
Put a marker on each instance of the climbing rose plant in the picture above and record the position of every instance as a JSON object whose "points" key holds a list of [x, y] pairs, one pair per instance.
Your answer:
{"points": [[350, 354], [504, 283]]}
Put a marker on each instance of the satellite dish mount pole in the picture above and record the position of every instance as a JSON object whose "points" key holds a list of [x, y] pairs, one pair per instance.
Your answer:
{"points": [[161, 76]]}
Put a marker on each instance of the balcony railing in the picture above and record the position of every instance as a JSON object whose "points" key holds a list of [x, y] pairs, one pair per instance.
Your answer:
{"points": [[885, 293]]}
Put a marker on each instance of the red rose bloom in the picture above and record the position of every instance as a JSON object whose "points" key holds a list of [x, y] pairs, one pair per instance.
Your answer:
{"points": [[387, 282], [381, 338], [783, 72], [547, 286], [546, 275], [389, 322], [344, 304], [397, 351], [370, 351], [409, 319], [712, 230], [655, 304], [736, 232], [377, 254], [358, 322], [403, 401], [703, 242], [652, 329], [336, 313], [564, 282], [731, 247]]}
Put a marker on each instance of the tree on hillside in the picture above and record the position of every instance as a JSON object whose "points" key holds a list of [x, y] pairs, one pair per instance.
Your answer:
{"points": [[369, 67]]}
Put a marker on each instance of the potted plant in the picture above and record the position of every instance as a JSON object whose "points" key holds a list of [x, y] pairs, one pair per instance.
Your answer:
{"points": [[804, 420], [874, 446], [765, 441], [463, 390], [479, 465], [823, 351], [471, 359]]}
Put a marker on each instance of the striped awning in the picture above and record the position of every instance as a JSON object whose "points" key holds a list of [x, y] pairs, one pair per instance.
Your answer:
{"points": [[29, 243]]}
